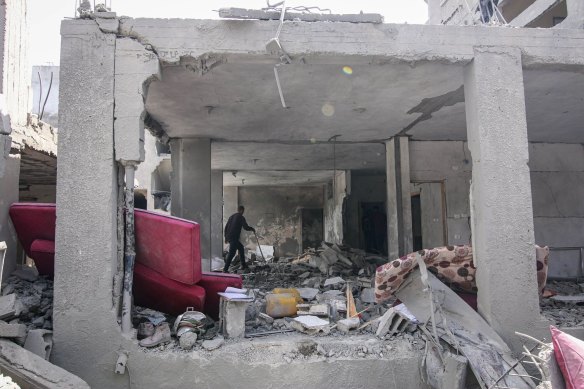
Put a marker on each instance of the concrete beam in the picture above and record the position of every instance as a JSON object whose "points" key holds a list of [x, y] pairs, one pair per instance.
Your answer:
{"points": [[501, 207], [532, 12], [392, 200], [349, 43], [575, 18], [407, 238], [190, 184], [241, 13]]}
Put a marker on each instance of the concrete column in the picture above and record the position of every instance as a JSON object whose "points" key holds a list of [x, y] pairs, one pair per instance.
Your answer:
{"points": [[407, 238], [216, 213], [500, 198], [575, 18], [9, 177], [190, 185], [399, 206], [434, 12], [86, 237]]}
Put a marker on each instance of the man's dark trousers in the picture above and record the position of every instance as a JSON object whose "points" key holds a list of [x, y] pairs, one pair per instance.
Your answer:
{"points": [[234, 245]]}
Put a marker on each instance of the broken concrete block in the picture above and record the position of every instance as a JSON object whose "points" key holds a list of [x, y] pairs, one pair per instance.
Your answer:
{"points": [[385, 322], [307, 293], [310, 324], [39, 342], [265, 317], [187, 340], [8, 308], [334, 282], [12, 330], [317, 309], [35, 371], [232, 315], [26, 273], [367, 295], [213, 344], [346, 325]]}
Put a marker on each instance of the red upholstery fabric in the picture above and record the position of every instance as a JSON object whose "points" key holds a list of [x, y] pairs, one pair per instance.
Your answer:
{"points": [[569, 353], [35, 226], [33, 221], [217, 282], [155, 291], [43, 253], [169, 245]]}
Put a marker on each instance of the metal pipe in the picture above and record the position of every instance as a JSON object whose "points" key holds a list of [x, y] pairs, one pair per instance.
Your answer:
{"points": [[129, 253]]}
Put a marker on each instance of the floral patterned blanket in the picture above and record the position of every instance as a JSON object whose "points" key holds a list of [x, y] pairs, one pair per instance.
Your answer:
{"points": [[452, 265]]}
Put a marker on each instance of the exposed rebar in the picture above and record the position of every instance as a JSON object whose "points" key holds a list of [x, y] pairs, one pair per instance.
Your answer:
{"points": [[130, 253]]}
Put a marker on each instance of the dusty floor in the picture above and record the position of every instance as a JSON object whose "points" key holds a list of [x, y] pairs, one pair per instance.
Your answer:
{"points": [[563, 314]]}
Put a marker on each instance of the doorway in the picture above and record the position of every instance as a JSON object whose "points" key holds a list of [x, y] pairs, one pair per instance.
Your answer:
{"points": [[312, 227], [373, 227]]}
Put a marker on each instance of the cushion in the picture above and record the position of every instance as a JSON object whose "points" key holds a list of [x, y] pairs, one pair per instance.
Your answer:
{"points": [[569, 352], [155, 291], [33, 221], [453, 265], [43, 253], [169, 246], [214, 283]]}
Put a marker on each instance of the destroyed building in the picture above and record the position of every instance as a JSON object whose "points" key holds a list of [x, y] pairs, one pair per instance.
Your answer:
{"points": [[464, 131]]}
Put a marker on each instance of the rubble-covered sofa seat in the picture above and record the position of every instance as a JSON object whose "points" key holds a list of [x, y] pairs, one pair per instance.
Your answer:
{"points": [[35, 226], [452, 265]]}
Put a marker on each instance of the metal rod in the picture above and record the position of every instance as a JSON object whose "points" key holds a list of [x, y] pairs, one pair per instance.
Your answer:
{"points": [[130, 253], [279, 86]]}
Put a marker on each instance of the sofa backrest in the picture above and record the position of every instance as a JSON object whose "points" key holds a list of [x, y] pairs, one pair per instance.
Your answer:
{"points": [[169, 245], [33, 221]]}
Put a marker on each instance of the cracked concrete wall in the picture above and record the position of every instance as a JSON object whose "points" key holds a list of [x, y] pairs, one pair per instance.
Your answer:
{"points": [[275, 213], [557, 182]]}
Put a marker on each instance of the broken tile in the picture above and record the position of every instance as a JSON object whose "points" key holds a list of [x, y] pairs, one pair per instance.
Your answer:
{"points": [[310, 324]]}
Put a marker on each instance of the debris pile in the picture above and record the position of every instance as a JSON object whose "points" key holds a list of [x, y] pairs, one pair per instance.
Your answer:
{"points": [[26, 311], [565, 308]]}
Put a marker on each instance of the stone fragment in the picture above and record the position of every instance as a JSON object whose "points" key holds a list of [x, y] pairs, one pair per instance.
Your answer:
{"points": [[367, 295], [334, 282], [266, 318], [304, 275], [187, 340], [346, 325], [213, 344], [12, 330], [307, 293], [39, 342], [39, 321], [8, 308], [26, 273]]}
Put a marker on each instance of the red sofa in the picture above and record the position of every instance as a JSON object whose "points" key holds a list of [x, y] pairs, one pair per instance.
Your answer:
{"points": [[167, 274]]}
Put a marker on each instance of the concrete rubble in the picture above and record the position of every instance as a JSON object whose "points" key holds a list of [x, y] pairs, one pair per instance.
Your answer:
{"points": [[566, 308]]}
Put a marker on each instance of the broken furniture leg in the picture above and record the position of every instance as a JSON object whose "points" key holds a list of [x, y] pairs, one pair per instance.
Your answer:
{"points": [[460, 326]]}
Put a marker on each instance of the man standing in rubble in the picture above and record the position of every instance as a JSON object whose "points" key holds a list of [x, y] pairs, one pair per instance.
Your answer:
{"points": [[232, 232]]}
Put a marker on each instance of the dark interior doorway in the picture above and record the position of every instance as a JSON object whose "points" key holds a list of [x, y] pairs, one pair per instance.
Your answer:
{"points": [[374, 227], [312, 227], [417, 222]]}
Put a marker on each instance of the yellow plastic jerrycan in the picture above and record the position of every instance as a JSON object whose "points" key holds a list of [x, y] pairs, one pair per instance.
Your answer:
{"points": [[291, 291], [280, 305]]}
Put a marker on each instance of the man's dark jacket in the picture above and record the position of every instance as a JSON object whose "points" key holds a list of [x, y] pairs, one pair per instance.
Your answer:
{"points": [[234, 225]]}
